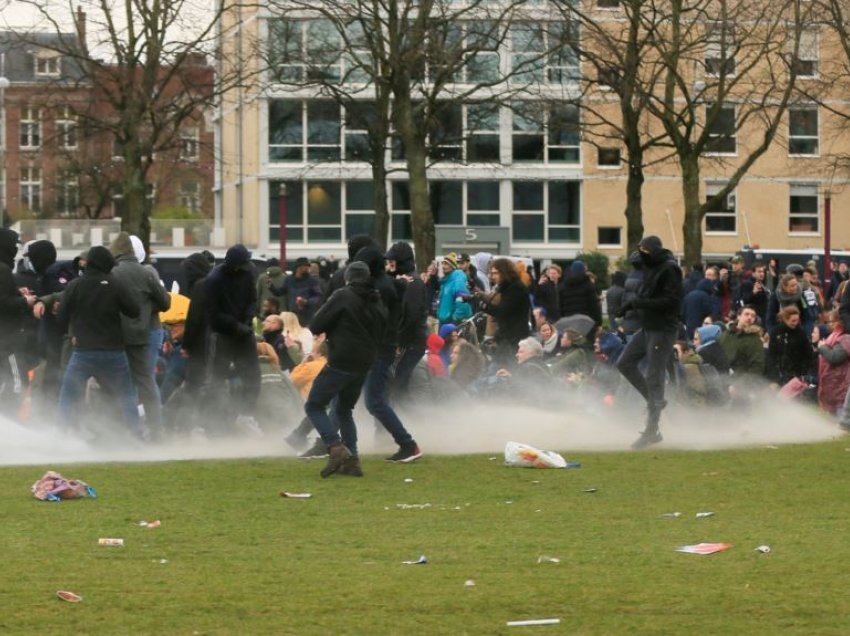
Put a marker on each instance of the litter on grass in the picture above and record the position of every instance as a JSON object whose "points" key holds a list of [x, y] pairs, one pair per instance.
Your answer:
{"points": [[704, 548], [54, 487], [704, 515], [150, 524], [536, 621], [524, 456], [548, 559], [70, 597], [672, 515], [296, 495], [408, 480], [764, 549], [114, 543], [405, 506], [469, 583], [422, 560], [590, 490]]}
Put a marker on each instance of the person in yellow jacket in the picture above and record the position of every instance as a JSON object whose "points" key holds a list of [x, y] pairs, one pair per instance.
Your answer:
{"points": [[302, 377]]}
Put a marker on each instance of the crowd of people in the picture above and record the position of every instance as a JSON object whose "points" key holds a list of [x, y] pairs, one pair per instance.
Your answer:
{"points": [[98, 340]]}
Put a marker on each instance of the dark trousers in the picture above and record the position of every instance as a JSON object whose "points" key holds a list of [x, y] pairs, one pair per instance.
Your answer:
{"points": [[143, 372], [656, 348], [407, 362], [377, 384], [11, 383], [345, 386], [236, 356]]}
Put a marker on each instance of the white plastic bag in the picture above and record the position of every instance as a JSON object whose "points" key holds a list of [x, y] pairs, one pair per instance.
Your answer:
{"points": [[525, 456]]}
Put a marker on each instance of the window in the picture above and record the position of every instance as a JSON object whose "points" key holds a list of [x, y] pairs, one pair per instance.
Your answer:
{"points": [[608, 157], [484, 64], [720, 122], [189, 140], [544, 52], [31, 188], [805, 63], [66, 129], [720, 48], [447, 202], [546, 211], [607, 4], [722, 216], [67, 197], [304, 131], [482, 125], [190, 196], [446, 136], [607, 78], [609, 236], [803, 130], [30, 128], [482, 203], [400, 227], [360, 117], [359, 208], [803, 207], [305, 50], [47, 65], [550, 135]]}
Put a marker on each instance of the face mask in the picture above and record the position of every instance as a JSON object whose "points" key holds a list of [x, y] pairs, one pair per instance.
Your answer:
{"points": [[645, 258]]}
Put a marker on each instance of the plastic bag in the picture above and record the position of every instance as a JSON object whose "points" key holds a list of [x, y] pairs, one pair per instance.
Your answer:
{"points": [[54, 487], [525, 456]]}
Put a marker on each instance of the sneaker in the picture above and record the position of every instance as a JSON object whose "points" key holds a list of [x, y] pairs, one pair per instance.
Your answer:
{"points": [[317, 451], [647, 438], [351, 467], [406, 455], [337, 456], [296, 440], [248, 425]]}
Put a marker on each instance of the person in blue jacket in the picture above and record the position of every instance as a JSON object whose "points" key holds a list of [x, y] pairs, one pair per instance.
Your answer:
{"points": [[454, 293]]}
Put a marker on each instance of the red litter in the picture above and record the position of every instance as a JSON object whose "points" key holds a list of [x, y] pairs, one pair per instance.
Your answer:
{"points": [[69, 596]]}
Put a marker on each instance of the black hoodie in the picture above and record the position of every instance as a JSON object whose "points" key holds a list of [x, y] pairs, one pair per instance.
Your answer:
{"points": [[93, 304], [659, 298], [391, 290], [195, 269], [413, 323], [13, 306], [355, 244]]}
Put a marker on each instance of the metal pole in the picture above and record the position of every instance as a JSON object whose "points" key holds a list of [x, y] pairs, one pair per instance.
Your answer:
{"points": [[282, 233]]}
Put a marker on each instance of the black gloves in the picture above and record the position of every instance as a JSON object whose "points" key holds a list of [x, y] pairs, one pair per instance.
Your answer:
{"points": [[624, 309], [244, 331]]}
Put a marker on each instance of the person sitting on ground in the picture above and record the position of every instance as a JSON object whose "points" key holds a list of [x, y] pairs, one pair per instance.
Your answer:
{"points": [[273, 335], [700, 384], [709, 349], [530, 374], [742, 344], [449, 335], [467, 364], [833, 365], [550, 339], [789, 352], [607, 348], [435, 345], [575, 358], [298, 334]]}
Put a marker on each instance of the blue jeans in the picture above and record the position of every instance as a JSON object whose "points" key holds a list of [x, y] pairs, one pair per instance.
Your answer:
{"points": [[112, 371], [345, 386], [376, 386]]}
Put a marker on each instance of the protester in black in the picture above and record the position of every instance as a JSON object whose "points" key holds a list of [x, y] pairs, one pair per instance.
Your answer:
{"points": [[14, 307]]}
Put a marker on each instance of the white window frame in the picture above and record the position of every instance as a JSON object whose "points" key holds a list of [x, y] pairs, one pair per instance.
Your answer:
{"points": [[473, 128], [730, 209], [190, 196], [68, 191], [545, 213], [609, 246], [301, 62], [808, 52], [30, 128], [803, 137], [31, 188], [190, 140], [804, 190], [733, 137], [544, 66], [47, 65], [720, 49], [305, 145], [66, 129]]}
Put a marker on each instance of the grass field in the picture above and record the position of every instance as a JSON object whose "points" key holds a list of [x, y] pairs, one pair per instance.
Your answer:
{"points": [[242, 560]]}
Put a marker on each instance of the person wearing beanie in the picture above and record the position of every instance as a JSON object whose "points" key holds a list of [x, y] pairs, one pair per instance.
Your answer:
{"points": [[355, 244], [413, 322], [143, 335], [14, 307], [707, 346], [577, 294], [658, 303], [353, 320], [230, 304], [454, 293], [91, 311]]}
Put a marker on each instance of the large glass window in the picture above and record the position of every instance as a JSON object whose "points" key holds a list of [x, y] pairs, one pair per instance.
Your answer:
{"points": [[803, 130], [446, 136], [544, 53], [66, 129], [304, 131], [720, 48], [400, 227], [803, 209], [305, 50], [722, 215], [190, 196], [482, 203], [482, 141], [30, 128], [546, 134], [447, 202], [806, 61], [722, 129], [546, 211], [359, 208], [67, 196], [30, 183]]}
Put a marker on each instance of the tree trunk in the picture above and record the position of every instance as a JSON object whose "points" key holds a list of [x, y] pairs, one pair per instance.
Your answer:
{"points": [[634, 201], [136, 217], [382, 211], [692, 226]]}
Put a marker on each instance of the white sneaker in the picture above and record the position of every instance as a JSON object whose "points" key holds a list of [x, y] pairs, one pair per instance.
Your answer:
{"points": [[248, 425]]}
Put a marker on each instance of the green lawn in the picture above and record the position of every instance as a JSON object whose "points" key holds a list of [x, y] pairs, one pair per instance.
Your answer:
{"points": [[242, 560]]}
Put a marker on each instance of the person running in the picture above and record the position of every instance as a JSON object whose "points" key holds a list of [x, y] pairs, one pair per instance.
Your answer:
{"points": [[657, 304], [353, 321]]}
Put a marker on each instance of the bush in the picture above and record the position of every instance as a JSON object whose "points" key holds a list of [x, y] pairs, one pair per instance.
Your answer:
{"points": [[174, 212], [598, 263]]}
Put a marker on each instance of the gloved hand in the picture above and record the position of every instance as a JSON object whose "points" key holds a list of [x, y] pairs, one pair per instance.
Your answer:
{"points": [[624, 309], [244, 331]]}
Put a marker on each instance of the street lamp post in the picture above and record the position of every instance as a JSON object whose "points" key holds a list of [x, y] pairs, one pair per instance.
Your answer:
{"points": [[4, 84], [281, 233]]}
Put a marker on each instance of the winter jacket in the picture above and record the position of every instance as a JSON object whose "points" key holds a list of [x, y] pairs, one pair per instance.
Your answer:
{"points": [[392, 292], [805, 301], [748, 296], [230, 299], [660, 295], [630, 322], [713, 354], [143, 282], [451, 308], [789, 354], [614, 295], [355, 244], [744, 350], [833, 371], [546, 295], [273, 277], [93, 305], [512, 312], [306, 287], [413, 322], [13, 306], [304, 374], [698, 304], [436, 366], [577, 295], [353, 319], [195, 269]]}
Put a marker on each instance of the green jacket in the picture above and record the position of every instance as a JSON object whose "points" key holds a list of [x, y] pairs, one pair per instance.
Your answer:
{"points": [[744, 349]]}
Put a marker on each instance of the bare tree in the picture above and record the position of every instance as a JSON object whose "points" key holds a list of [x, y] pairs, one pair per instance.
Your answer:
{"points": [[144, 62]]}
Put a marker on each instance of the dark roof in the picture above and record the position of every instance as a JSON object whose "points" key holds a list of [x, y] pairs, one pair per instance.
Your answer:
{"points": [[21, 48]]}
